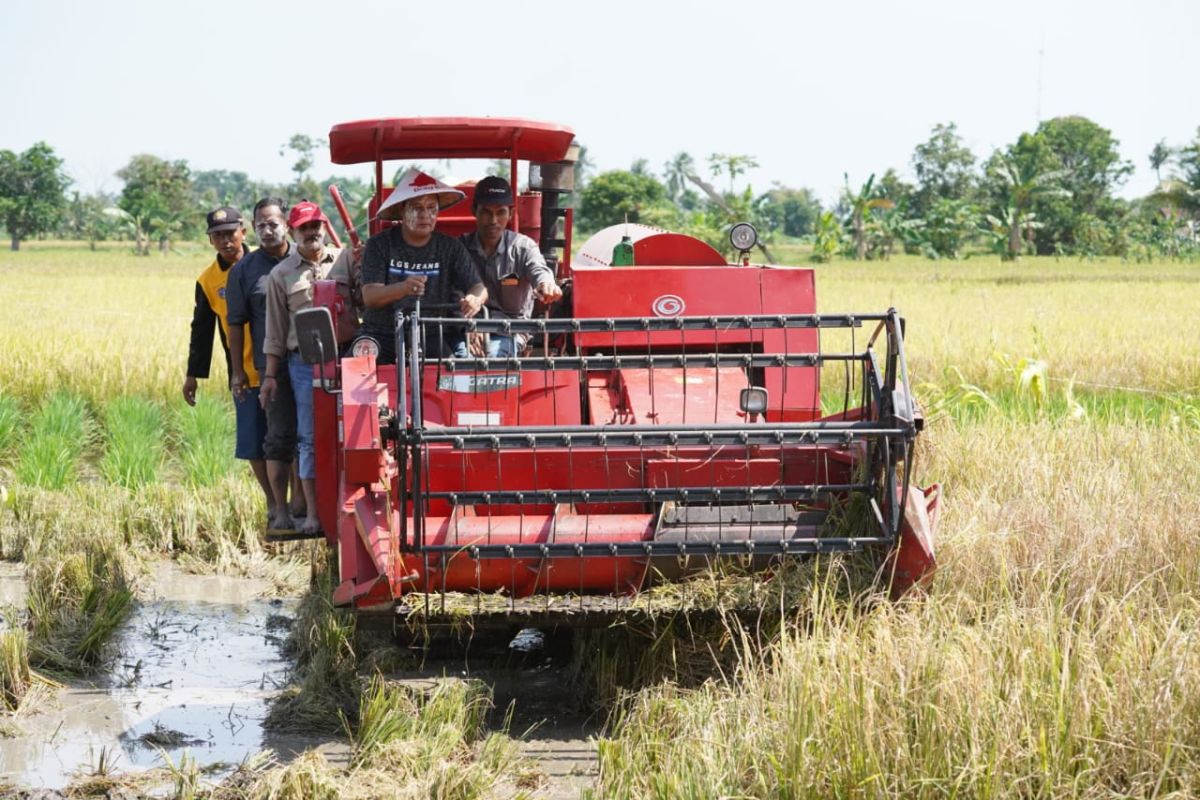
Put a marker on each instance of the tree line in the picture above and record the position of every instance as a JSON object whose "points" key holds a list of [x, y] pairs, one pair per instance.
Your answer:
{"points": [[161, 200], [1052, 191]]}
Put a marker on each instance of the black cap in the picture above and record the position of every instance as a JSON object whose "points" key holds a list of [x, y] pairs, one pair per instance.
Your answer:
{"points": [[493, 190], [225, 218]]}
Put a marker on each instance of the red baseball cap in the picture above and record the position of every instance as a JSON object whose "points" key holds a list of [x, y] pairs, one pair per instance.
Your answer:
{"points": [[305, 212]]}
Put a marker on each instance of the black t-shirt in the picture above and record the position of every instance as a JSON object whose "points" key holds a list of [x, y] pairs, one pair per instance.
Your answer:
{"points": [[389, 259]]}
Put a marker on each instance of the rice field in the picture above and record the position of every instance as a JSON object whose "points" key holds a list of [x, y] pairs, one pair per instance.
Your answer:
{"points": [[1056, 655]]}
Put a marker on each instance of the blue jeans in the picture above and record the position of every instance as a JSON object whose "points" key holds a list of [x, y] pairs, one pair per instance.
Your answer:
{"points": [[498, 347], [301, 375]]}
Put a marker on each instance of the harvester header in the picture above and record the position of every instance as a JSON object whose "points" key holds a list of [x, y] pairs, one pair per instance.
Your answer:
{"points": [[667, 416]]}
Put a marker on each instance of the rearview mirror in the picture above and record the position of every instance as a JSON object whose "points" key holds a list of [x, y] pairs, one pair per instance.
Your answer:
{"points": [[314, 335]]}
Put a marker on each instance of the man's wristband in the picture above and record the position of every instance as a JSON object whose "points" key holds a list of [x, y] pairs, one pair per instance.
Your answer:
{"points": [[268, 377]]}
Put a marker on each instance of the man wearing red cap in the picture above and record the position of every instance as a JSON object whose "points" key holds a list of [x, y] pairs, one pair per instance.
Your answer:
{"points": [[412, 260], [290, 289]]}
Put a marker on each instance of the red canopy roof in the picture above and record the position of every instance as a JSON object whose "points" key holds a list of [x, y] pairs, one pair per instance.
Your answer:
{"points": [[448, 137]]}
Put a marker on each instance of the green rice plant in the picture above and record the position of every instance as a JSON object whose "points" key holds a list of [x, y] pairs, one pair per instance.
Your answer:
{"points": [[134, 442], [206, 436], [76, 601], [59, 432], [10, 424], [15, 676]]}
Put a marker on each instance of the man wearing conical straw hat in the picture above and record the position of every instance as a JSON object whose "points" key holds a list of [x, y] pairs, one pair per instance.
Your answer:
{"points": [[412, 260]]}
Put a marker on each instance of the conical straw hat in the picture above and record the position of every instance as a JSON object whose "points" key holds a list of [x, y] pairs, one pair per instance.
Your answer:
{"points": [[414, 183]]}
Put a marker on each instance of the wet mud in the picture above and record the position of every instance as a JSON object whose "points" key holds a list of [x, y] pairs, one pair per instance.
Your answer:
{"points": [[195, 665], [199, 660]]}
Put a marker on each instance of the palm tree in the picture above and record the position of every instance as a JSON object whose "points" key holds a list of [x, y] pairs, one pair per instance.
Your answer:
{"points": [[676, 172], [869, 197], [1159, 156], [1023, 186]]}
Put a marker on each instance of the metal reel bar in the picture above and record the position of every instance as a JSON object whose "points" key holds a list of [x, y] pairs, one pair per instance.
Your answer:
{"points": [[626, 324]]}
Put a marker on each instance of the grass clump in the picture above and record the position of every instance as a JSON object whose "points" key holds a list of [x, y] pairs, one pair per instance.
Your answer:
{"points": [[16, 678], [134, 443], [49, 451], [326, 684], [10, 423], [76, 601], [432, 725], [206, 435], [409, 743]]}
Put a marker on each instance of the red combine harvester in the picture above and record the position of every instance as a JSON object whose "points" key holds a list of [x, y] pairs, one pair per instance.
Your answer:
{"points": [[667, 415]]}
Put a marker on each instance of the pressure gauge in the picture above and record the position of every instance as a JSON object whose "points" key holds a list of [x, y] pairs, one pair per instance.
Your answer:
{"points": [[364, 346], [743, 237]]}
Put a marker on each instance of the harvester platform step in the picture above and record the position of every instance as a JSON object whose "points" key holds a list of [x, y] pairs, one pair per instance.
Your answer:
{"points": [[289, 535]]}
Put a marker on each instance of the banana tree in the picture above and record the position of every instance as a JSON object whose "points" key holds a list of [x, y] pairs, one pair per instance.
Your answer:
{"points": [[869, 198], [1023, 185]]}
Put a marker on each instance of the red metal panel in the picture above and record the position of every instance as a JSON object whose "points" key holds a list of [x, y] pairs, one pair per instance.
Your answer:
{"points": [[524, 577], [496, 398], [448, 137], [363, 456], [707, 472], [658, 291]]}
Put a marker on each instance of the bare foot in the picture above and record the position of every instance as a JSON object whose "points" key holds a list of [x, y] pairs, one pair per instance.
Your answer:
{"points": [[310, 526], [299, 511], [282, 522]]}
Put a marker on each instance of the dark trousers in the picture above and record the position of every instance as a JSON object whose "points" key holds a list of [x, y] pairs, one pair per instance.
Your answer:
{"points": [[280, 443]]}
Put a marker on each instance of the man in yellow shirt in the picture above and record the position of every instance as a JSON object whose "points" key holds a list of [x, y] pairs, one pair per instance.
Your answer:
{"points": [[227, 235]]}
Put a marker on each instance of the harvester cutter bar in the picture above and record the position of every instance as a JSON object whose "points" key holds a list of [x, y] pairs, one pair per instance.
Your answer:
{"points": [[732, 547], [645, 361]]}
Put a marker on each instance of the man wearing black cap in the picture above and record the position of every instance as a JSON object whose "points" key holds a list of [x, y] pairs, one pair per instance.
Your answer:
{"points": [[227, 235], [510, 264]]}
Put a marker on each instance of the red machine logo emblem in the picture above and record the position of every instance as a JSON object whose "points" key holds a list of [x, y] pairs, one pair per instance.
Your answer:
{"points": [[668, 305]]}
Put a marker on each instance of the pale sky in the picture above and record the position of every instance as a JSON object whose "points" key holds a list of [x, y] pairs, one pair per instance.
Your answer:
{"points": [[811, 90]]}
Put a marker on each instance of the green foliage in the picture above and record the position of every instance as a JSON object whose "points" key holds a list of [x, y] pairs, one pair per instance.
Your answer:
{"points": [[32, 186], [10, 423], [1089, 168], [829, 238], [949, 226], [945, 168], [89, 217], [50, 449], [134, 446], [1021, 182], [612, 196], [219, 187], [792, 212], [861, 204], [158, 200], [206, 434]]}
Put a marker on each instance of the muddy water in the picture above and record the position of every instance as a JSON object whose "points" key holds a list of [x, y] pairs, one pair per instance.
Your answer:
{"points": [[198, 661]]}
